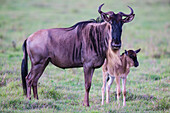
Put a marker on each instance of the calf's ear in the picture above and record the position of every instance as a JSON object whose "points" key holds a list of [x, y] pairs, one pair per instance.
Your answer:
{"points": [[138, 50], [126, 52]]}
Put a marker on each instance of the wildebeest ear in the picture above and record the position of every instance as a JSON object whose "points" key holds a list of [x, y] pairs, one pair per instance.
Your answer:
{"points": [[137, 51], [126, 52], [105, 17], [128, 18]]}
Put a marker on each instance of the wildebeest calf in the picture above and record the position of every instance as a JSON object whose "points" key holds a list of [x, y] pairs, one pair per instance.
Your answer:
{"points": [[111, 70]]}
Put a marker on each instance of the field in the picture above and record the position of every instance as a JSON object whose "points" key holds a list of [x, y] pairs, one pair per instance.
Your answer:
{"points": [[59, 90]]}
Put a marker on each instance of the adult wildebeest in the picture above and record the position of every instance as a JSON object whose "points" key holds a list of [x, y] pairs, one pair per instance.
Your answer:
{"points": [[82, 45]]}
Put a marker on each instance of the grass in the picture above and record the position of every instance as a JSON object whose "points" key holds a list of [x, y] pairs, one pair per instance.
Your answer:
{"points": [[63, 90]]}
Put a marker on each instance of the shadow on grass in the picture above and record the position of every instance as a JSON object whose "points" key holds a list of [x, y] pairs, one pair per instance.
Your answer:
{"points": [[155, 104], [130, 96]]}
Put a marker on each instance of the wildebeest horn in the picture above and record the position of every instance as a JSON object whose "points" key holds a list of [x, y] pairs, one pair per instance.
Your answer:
{"points": [[123, 14], [103, 15], [99, 10], [107, 13]]}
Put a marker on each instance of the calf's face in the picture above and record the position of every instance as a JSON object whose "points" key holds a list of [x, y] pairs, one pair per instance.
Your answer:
{"points": [[133, 57]]}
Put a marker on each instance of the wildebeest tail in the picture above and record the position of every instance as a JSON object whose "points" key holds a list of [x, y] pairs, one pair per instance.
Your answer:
{"points": [[24, 67]]}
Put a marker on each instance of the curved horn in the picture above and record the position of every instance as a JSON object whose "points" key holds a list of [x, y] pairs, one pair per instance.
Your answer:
{"points": [[99, 10], [123, 14]]}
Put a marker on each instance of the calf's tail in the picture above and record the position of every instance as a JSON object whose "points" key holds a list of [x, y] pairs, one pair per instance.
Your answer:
{"points": [[24, 67]]}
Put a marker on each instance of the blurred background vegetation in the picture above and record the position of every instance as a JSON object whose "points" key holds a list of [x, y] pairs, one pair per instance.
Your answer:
{"points": [[63, 90]]}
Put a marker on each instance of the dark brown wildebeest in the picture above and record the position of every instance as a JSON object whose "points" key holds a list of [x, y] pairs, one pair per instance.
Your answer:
{"points": [[82, 45]]}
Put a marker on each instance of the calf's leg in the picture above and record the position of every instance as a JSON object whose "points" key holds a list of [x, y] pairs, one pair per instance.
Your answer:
{"points": [[108, 88], [118, 89], [104, 86], [124, 90]]}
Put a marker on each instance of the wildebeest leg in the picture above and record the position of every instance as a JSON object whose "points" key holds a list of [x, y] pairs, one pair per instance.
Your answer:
{"points": [[104, 86], [28, 87], [118, 89], [124, 90], [88, 73], [40, 70], [34, 87], [108, 88], [33, 76]]}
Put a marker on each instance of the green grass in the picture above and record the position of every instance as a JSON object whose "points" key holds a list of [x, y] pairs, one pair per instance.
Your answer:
{"points": [[148, 86]]}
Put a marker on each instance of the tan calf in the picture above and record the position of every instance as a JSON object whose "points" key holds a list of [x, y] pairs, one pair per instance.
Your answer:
{"points": [[113, 71]]}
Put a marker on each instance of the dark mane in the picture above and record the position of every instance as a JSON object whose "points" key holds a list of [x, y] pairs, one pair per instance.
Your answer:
{"points": [[80, 25], [83, 24]]}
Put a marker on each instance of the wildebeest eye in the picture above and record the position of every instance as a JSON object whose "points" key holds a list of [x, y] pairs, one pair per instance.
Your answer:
{"points": [[131, 56]]}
